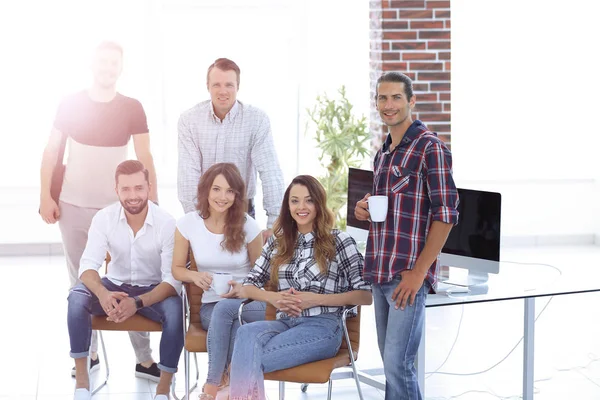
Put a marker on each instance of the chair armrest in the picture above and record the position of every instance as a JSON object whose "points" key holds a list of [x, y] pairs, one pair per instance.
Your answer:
{"points": [[247, 301], [184, 297], [348, 310], [186, 308]]}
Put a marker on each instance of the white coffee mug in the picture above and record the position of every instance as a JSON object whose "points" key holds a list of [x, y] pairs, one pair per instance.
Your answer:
{"points": [[220, 282], [378, 208]]}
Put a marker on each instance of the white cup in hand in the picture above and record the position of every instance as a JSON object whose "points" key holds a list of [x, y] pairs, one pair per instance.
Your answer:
{"points": [[220, 283], [378, 208]]}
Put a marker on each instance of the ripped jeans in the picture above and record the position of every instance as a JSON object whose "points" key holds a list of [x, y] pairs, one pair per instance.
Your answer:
{"points": [[83, 304]]}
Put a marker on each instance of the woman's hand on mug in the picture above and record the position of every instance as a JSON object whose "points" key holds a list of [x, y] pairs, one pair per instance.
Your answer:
{"points": [[235, 292], [203, 280]]}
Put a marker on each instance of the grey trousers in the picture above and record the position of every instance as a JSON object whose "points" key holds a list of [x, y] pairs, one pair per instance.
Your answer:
{"points": [[74, 223]]}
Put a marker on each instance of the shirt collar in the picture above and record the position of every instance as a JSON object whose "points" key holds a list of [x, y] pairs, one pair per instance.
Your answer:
{"points": [[413, 131], [305, 237], [149, 217], [230, 115]]}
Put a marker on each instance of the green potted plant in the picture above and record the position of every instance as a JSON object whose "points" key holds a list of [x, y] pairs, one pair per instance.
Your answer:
{"points": [[343, 141]]}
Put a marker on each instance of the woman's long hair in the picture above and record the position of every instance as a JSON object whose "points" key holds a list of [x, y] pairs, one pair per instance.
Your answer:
{"points": [[285, 228], [235, 236]]}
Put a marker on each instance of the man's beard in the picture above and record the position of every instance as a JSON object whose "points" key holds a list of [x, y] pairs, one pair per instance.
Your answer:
{"points": [[106, 82], [134, 210]]}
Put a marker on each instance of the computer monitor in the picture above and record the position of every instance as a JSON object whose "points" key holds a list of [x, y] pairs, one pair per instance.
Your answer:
{"points": [[473, 244], [360, 182]]}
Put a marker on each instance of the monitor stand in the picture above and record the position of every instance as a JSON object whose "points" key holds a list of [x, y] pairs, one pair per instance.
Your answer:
{"points": [[459, 280]]}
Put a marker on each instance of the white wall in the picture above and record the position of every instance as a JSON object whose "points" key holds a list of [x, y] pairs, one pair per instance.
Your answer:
{"points": [[289, 52], [524, 87], [524, 106]]}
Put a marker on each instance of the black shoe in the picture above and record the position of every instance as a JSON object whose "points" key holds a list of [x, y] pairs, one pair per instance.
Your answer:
{"points": [[94, 366], [152, 373]]}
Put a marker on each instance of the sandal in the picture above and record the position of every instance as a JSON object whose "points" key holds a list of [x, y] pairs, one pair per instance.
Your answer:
{"points": [[225, 378], [205, 396]]}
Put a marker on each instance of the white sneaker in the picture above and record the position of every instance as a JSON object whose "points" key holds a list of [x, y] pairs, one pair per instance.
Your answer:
{"points": [[161, 397], [82, 394]]}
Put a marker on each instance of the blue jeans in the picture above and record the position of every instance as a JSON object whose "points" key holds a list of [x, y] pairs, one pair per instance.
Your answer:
{"points": [[83, 304], [398, 335], [267, 346], [220, 319]]}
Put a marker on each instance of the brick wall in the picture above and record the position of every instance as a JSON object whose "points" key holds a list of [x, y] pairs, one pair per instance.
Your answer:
{"points": [[413, 37]]}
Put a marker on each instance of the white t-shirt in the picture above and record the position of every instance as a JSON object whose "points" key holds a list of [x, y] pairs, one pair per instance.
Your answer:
{"points": [[210, 256]]}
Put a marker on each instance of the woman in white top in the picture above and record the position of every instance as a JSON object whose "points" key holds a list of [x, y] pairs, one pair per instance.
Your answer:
{"points": [[223, 239]]}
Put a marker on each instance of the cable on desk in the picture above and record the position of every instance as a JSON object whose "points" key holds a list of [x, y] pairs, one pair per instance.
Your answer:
{"points": [[490, 392], [462, 313], [495, 365], [529, 263], [429, 374], [593, 358]]}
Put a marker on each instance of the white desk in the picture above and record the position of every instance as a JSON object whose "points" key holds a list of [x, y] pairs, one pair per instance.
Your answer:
{"points": [[513, 282]]}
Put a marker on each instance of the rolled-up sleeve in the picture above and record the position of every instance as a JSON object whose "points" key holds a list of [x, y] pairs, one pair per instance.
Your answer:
{"points": [[260, 274], [440, 183], [166, 255], [97, 244], [264, 157], [351, 261]]}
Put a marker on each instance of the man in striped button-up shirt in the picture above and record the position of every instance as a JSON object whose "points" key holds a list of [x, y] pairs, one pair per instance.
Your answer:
{"points": [[414, 170], [224, 129]]}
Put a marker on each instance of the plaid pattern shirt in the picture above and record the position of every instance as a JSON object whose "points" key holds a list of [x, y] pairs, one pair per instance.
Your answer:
{"points": [[417, 178], [303, 274], [243, 138]]}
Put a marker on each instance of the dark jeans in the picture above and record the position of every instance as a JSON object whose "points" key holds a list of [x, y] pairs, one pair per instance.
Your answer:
{"points": [[83, 304]]}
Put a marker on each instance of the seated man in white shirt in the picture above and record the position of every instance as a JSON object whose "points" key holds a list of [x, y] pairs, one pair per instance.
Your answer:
{"points": [[139, 237]]}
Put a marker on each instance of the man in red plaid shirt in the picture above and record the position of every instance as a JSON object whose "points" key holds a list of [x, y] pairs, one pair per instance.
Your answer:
{"points": [[414, 170]]}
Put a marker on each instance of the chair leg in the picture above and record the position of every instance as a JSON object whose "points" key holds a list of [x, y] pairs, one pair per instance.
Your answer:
{"points": [[105, 364], [281, 390], [330, 389], [173, 386], [188, 389], [197, 372], [186, 362], [351, 356], [355, 375]]}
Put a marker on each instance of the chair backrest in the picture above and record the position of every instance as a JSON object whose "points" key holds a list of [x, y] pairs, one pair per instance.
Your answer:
{"points": [[194, 294], [353, 324]]}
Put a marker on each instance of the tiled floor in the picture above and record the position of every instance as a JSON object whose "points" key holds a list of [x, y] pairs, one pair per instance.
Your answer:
{"points": [[35, 364]]}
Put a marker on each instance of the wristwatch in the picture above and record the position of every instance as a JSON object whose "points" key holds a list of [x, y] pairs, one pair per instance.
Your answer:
{"points": [[138, 302]]}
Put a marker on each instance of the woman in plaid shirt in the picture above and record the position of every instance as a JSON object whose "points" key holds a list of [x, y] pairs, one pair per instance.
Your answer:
{"points": [[317, 271]]}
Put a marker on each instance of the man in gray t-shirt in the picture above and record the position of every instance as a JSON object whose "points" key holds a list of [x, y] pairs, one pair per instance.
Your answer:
{"points": [[95, 125]]}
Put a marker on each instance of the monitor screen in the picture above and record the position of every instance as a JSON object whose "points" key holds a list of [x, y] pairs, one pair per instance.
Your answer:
{"points": [[477, 234]]}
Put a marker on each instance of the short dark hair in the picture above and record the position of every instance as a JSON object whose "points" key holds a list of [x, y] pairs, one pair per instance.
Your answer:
{"points": [[399, 78], [225, 64], [130, 167], [108, 45]]}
